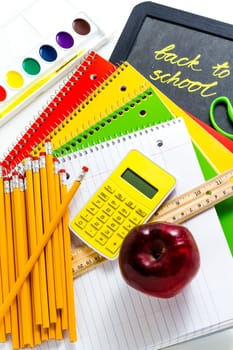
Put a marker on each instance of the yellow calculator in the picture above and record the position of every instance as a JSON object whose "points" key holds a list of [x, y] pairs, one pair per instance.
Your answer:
{"points": [[128, 197]]}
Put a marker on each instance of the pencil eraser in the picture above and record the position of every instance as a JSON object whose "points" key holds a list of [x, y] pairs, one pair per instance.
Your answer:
{"points": [[85, 168]]}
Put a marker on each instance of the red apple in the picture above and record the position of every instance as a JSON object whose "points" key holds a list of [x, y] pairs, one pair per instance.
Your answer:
{"points": [[159, 259]]}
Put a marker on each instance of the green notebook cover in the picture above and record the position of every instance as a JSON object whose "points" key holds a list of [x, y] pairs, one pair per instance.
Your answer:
{"points": [[143, 111], [140, 112]]}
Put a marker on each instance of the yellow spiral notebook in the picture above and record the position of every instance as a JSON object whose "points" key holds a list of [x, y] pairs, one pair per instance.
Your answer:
{"points": [[120, 87]]}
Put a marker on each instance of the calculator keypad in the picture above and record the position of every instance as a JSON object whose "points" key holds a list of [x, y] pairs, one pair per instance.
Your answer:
{"points": [[107, 218]]}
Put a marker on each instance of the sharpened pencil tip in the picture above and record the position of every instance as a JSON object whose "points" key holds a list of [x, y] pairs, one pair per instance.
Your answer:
{"points": [[85, 168]]}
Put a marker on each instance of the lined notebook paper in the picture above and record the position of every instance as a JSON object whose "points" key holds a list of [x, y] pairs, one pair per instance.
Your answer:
{"points": [[111, 315]]}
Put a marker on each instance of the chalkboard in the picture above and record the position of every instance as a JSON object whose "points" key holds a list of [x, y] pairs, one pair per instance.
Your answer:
{"points": [[187, 56]]}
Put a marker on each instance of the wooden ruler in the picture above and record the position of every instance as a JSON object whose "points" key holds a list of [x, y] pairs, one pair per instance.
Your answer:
{"points": [[176, 210]]}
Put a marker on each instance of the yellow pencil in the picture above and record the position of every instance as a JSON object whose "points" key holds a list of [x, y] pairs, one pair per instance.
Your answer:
{"points": [[39, 226], [41, 244], [48, 249], [2, 323], [32, 240], [58, 326], [4, 271], [68, 264], [11, 262], [63, 313], [55, 237], [21, 251]]}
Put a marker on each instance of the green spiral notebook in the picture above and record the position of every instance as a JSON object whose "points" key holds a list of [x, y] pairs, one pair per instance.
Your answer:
{"points": [[145, 110]]}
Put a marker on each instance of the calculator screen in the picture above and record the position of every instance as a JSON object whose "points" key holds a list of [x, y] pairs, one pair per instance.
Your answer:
{"points": [[139, 183]]}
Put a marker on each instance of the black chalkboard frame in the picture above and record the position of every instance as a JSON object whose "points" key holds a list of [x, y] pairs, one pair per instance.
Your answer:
{"points": [[199, 24], [161, 12]]}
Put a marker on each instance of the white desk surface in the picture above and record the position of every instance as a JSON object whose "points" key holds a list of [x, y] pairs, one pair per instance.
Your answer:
{"points": [[112, 16]]}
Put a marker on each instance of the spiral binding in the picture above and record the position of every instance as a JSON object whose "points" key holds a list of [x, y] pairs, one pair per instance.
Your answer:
{"points": [[141, 111], [90, 96], [122, 139], [113, 92], [113, 114], [73, 92]]}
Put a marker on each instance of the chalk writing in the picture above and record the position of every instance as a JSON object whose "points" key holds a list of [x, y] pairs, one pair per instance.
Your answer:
{"points": [[176, 79], [191, 86], [173, 58], [221, 70]]}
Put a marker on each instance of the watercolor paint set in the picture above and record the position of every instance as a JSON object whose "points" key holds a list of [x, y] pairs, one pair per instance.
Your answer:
{"points": [[48, 59]]}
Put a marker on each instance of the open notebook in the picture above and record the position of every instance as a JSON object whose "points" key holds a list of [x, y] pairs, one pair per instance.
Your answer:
{"points": [[111, 315]]}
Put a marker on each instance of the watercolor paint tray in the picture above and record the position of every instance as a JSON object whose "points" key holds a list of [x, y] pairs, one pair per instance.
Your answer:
{"points": [[41, 59]]}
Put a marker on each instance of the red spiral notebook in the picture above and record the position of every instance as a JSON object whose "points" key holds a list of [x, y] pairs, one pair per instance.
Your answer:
{"points": [[90, 74]]}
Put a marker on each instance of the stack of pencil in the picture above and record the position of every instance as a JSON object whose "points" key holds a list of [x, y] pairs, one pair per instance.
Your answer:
{"points": [[44, 306]]}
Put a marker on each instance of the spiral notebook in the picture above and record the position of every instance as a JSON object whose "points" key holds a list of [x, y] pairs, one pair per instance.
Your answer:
{"points": [[140, 112], [120, 87], [112, 315], [90, 74]]}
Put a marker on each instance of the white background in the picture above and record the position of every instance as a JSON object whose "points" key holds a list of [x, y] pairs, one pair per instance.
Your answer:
{"points": [[112, 16]]}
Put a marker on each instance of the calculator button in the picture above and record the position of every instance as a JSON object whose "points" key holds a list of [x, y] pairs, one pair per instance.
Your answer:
{"points": [[114, 203], [80, 223], [113, 225], [122, 232], [124, 211], [90, 231], [141, 212], [108, 210], [98, 202], [120, 196], [86, 215], [130, 204], [109, 188], [107, 232], [92, 209], [101, 239], [114, 245], [128, 225], [103, 195], [135, 219], [102, 217], [118, 218], [97, 224]]}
